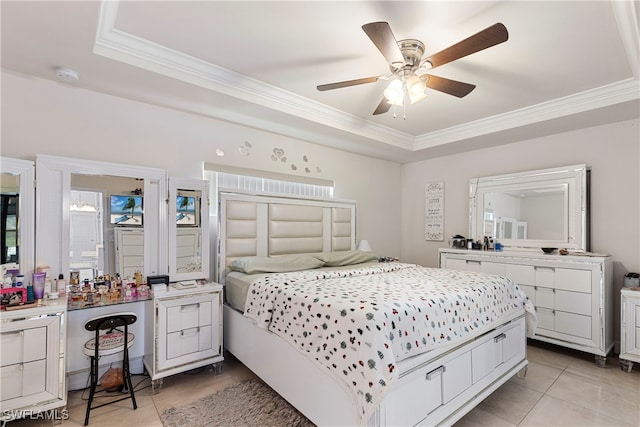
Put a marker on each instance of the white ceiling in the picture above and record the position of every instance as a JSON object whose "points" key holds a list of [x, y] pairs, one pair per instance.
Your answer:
{"points": [[566, 65]]}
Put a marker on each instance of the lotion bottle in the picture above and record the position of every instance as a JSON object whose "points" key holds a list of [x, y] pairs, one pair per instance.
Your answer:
{"points": [[61, 284]]}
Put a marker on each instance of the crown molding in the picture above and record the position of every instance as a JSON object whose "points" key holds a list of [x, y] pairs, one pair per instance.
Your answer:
{"points": [[615, 93], [130, 49], [627, 19]]}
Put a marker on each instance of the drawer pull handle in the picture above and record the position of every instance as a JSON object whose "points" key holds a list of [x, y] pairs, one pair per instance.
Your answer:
{"points": [[195, 304], [539, 267], [471, 261], [500, 337], [432, 374]]}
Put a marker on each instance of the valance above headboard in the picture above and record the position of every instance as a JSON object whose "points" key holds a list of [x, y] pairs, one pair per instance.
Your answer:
{"points": [[253, 225]]}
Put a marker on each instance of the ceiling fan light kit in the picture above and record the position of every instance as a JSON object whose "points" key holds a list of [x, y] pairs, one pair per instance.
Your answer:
{"points": [[409, 78]]}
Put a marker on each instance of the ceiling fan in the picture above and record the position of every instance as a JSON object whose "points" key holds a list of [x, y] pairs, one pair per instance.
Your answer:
{"points": [[409, 78]]}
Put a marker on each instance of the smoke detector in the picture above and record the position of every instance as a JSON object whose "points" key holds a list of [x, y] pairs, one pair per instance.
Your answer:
{"points": [[67, 74]]}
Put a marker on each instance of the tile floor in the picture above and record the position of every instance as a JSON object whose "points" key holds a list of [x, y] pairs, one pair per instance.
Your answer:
{"points": [[562, 388]]}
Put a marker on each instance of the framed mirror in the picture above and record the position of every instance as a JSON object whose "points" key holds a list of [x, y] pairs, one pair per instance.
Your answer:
{"points": [[86, 209], [188, 229], [536, 209], [17, 214]]}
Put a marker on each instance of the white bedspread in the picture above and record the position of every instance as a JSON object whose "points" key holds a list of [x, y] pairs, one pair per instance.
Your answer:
{"points": [[359, 323]]}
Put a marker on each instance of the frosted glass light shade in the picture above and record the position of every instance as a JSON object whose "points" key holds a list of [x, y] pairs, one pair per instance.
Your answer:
{"points": [[363, 245]]}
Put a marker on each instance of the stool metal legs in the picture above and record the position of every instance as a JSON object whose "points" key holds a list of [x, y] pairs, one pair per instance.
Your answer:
{"points": [[126, 379]]}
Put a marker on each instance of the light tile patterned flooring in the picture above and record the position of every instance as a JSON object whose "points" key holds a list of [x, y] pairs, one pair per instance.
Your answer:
{"points": [[562, 388]]}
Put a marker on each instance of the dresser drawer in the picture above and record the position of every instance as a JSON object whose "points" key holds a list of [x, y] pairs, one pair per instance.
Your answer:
{"points": [[637, 314], [573, 302], [573, 280], [546, 318], [22, 379], [188, 315], [23, 346], [189, 341], [493, 268], [573, 324], [545, 297], [521, 274]]}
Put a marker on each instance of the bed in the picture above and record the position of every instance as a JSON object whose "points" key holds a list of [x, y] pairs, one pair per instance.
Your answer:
{"points": [[348, 340]]}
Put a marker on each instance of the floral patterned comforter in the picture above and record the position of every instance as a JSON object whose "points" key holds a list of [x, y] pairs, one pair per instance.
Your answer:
{"points": [[359, 323]]}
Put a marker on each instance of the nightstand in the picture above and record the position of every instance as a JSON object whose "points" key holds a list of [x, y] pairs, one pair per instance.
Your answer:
{"points": [[187, 325], [630, 328]]}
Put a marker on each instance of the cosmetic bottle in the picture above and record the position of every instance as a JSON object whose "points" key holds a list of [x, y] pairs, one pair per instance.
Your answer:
{"points": [[61, 284]]}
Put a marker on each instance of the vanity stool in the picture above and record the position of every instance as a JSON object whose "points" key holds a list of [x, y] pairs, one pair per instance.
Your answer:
{"points": [[111, 342]]}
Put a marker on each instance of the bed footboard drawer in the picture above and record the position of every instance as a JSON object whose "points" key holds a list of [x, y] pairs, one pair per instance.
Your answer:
{"points": [[428, 389], [497, 350]]}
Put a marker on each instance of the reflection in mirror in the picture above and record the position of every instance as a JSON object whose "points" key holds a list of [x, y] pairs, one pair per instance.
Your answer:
{"points": [[105, 224], [17, 198], [536, 209], [527, 213], [57, 176], [188, 244], [188, 229], [9, 217]]}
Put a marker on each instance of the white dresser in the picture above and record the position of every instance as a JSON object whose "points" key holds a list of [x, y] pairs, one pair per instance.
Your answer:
{"points": [[32, 361], [630, 328], [187, 330], [573, 295]]}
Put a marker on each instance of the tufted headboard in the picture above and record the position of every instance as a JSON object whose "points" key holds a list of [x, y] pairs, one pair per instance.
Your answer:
{"points": [[269, 225]]}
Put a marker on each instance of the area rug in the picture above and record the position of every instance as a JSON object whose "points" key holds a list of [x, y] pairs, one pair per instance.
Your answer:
{"points": [[249, 403]]}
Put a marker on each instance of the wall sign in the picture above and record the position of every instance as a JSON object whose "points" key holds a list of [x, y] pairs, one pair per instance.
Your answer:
{"points": [[434, 211]]}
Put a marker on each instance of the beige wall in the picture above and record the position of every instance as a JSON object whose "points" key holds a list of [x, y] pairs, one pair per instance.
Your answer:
{"points": [[44, 117]]}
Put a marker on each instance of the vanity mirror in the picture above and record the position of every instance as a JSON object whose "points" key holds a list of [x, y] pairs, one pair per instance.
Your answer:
{"points": [[17, 213], [69, 239], [537, 209], [188, 229]]}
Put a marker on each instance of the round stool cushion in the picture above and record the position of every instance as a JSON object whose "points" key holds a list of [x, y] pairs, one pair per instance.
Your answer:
{"points": [[109, 343]]}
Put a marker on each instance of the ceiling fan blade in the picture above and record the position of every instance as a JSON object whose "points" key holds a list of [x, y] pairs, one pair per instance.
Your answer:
{"points": [[488, 37], [451, 87], [381, 35], [383, 107], [347, 83]]}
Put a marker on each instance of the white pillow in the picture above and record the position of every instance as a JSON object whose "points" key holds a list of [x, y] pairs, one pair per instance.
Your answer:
{"points": [[339, 258], [275, 264]]}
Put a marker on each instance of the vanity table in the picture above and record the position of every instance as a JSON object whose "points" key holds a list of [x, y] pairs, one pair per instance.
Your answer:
{"points": [[78, 314], [82, 230]]}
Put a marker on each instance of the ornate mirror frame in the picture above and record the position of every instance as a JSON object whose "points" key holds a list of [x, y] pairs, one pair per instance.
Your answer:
{"points": [[572, 181]]}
